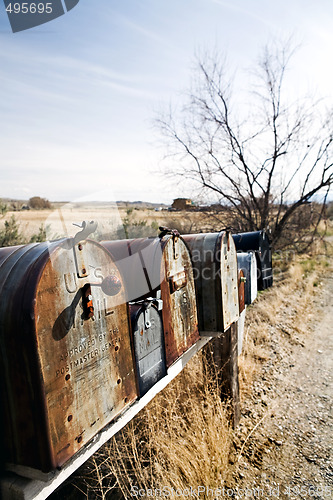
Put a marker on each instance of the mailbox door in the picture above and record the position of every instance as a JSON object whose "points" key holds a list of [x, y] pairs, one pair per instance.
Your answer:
{"points": [[179, 302], [86, 363], [248, 263], [148, 344], [140, 263], [228, 263], [207, 279], [244, 263]]}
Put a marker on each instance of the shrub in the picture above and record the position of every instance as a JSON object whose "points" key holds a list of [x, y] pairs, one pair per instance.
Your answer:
{"points": [[3, 208], [39, 203], [10, 235], [40, 236]]}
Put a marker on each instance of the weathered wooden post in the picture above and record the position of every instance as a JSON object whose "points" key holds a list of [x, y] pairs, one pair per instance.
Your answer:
{"points": [[221, 355]]}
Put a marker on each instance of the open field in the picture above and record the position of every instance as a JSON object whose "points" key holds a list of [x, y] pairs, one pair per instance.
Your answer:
{"points": [[59, 221]]}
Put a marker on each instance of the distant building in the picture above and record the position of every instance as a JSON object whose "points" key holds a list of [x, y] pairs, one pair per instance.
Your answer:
{"points": [[182, 204]]}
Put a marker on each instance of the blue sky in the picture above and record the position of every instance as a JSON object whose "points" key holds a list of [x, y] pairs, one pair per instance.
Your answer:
{"points": [[79, 94]]}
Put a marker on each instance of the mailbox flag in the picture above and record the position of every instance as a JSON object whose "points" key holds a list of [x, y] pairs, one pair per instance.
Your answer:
{"points": [[24, 15]]}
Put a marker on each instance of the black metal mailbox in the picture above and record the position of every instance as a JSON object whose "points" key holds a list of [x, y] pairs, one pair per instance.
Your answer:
{"points": [[258, 242], [148, 341]]}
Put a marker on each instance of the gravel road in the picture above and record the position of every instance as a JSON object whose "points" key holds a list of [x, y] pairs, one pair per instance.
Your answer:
{"points": [[283, 447]]}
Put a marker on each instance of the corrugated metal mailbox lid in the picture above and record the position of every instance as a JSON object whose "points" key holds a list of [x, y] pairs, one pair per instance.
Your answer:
{"points": [[148, 342], [258, 242], [216, 279], [67, 362], [248, 263], [152, 264]]}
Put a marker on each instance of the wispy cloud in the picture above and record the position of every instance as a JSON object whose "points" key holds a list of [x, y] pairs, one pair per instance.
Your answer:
{"points": [[151, 35], [232, 6], [58, 71]]}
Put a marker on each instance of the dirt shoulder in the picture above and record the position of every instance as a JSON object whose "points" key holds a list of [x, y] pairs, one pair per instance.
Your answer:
{"points": [[283, 447]]}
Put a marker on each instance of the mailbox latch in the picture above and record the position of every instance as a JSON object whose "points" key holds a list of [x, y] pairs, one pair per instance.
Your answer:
{"points": [[178, 281], [88, 306], [146, 304]]}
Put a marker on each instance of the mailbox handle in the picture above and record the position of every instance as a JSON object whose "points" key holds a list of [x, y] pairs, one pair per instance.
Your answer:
{"points": [[146, 304], [111, 285], [147, 315]]}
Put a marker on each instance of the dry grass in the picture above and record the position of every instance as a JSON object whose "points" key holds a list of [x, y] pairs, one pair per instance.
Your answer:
{"points": [[180, 440], [59, 221]]}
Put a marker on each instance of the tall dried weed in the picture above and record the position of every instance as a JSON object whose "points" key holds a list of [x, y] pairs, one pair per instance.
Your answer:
{"points": [[180, 440]]}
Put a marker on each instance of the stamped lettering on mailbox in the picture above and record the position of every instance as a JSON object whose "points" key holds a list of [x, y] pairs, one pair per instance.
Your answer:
{"points": [[86, 362]]}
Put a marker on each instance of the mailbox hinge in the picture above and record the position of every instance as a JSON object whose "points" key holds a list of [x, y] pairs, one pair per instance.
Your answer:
{"points": [[175, 247], [81, 259]]}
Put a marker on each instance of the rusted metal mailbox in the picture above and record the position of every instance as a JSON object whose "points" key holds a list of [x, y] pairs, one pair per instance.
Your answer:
{"points": [[148, 340], [216, 279], [258, 242], [246, 261], [67, 365], [150, 265]]}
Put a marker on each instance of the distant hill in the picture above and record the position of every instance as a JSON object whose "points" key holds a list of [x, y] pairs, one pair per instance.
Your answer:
{"points": [[140, 204], [120, 203]]}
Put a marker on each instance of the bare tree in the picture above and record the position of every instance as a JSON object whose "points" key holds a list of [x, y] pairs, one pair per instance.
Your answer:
{"points": [[265, 157]]}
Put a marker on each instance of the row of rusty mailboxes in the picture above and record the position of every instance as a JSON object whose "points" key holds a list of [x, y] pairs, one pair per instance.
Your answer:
{"points": [[86, 328]]}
